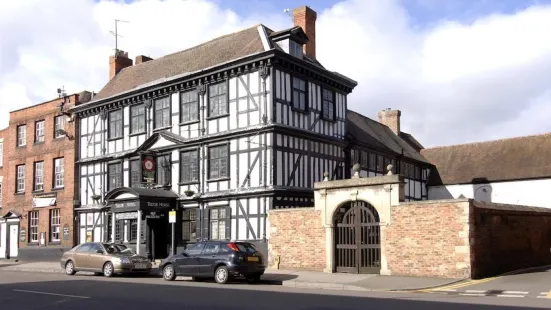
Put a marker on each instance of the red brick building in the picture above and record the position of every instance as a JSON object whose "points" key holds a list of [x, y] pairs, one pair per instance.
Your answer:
{"points": [[38, 179]]}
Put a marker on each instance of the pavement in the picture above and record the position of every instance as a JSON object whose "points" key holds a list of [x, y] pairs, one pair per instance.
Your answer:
{"points": [[288, 278], [22, 290]]}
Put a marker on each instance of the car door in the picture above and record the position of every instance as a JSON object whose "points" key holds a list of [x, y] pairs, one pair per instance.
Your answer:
{"points": [[81, 255], [96, 257], [208, 258], [187, 264]]}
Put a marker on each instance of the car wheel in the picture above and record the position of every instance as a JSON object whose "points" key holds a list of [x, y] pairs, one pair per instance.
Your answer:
{"points": [[168, 273], [108, 269], [70, 268], [253, 279], [221, 275]]}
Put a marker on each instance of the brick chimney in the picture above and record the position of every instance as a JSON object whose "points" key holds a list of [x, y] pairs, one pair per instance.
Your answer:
{"points": [[391, 118], [118, 62], [142, 58], [305, 17]]}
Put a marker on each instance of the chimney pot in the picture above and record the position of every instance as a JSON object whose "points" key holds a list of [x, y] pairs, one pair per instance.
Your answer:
{"points": [[391, 119], [118, 62], [305, 18]]}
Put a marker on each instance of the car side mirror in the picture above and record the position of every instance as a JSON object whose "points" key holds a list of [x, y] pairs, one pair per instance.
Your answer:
{"points": [[99, 251], [185, 254]]}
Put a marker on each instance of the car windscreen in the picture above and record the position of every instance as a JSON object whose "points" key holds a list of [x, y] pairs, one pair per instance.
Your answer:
{"points": [[117, 249]]}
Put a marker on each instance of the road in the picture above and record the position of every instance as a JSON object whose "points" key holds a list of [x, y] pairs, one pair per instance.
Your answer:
{"points": [[27, 291]]}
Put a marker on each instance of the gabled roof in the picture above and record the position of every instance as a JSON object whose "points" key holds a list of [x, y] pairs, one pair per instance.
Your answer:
{"points": [[380, 137], [212, 53], [12, 214], [517, 158]]}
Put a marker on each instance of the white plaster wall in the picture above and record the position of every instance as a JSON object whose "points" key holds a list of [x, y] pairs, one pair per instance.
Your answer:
{"points": [[529, 192]]}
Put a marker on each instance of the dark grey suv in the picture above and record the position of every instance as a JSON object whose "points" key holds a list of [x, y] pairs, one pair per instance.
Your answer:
{"points": [[222, 260]]}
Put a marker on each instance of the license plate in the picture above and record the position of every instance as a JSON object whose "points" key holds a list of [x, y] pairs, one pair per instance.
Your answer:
{"points": [[140, 266], [252, 259]]}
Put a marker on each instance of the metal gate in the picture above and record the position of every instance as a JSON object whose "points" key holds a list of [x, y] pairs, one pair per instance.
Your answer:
{"points": [[357, 239]]}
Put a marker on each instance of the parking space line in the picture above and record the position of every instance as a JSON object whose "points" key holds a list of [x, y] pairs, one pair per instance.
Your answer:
{"points": [[54, 294]]}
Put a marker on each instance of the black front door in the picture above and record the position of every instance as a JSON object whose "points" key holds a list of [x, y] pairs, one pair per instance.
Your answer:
{"points": [[357, 239], [158, 236]]}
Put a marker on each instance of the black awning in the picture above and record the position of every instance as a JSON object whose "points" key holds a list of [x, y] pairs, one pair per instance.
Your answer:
{"points": [[145, 199]]}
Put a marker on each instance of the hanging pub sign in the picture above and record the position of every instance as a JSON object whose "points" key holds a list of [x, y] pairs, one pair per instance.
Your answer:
{"points": [[148, 168]]}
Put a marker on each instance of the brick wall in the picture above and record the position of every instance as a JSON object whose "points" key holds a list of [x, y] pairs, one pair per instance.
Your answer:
{"points": [[297, 238], [429, 238], [3, 134], [46, 151], [507, 238]]}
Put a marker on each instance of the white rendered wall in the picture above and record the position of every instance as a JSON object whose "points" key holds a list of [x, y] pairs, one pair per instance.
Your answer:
{"points": [[529, 192]]}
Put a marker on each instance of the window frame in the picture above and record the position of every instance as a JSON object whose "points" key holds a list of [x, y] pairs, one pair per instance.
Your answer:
{"points": [[39, 131], [38, 176], [193, 93], [136, 116], [55, 214], [120, 175], [117, 129], [159, 168], [155, 102], [33, 228], [1, 194], [138, 173], [21, 138], [219, 219], [17, 179], [294, 88], [192, 222], [56, 127], [226, 97], [188, 167], [227, 159], [1, 154], [56, 173], [324, 109]]}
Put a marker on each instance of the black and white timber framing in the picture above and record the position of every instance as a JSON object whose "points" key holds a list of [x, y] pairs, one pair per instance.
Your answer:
{"points": [[283, 125]]}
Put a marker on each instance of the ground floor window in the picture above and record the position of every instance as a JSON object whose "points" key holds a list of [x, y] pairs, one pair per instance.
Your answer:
{"points": [[33, 226], [55, 223], [189, 225], [218, 223], [133, 230]]}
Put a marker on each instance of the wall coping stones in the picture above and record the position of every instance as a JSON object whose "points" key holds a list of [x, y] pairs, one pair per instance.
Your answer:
{"points": [[356, 182]]}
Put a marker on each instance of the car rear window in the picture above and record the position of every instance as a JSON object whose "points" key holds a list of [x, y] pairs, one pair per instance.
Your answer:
{"points": [[246, 247]]}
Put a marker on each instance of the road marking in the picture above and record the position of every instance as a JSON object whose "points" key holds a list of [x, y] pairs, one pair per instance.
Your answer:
{"points": [[511, 296], [459, 285], [514, 292], [549, 294], [45, 293], [475, 291], [471, 294], [446, 290]]}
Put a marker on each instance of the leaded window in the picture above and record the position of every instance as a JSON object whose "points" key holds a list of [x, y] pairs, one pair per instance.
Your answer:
{"points": [[189, 227], [189, 166], [218, 162], [328, 104], [299, 94], [163, 169], [218, 223], [114, 175], [218, 99], [162, 112], [39, 131], [115, 124], [137, 119], [189, 107], [135, 173], [133, 230]]}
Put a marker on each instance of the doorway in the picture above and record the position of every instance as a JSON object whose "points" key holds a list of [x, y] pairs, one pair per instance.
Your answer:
{"points": [[357, 239], [12, 242]]}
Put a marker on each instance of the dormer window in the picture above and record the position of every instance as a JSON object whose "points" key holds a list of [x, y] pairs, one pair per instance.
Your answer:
{"points": [[295, 49]]}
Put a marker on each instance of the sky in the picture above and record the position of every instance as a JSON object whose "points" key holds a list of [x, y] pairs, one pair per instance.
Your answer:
{"points": [[459, 70]]}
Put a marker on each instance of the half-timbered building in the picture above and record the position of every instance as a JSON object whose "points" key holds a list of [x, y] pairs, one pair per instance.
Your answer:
{"points": [[212, 137]]}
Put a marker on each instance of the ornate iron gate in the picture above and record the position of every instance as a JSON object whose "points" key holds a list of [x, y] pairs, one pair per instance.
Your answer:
{"points": [[357, 238]]}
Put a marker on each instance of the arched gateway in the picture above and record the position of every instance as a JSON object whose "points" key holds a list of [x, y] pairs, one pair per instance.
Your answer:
{"points": [[357, 238]]}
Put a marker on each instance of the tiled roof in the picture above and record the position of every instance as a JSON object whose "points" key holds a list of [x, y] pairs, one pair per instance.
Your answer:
{"points": [[380, 137], [498, 160], [217, 51]]}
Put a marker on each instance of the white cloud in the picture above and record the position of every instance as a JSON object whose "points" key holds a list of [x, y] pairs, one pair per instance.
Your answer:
{"points": [[453, 82]]}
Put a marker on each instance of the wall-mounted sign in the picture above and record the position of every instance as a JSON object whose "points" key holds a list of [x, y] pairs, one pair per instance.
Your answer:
{"points": [[42, 238], [22, 235], [172, 217], [154, 215], [66, 232], [119, 206], [148, 168], [126, 216], [135, 205], [89, 236], [44, 200]]}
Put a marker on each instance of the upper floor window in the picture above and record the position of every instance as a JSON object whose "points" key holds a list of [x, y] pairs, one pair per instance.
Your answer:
{"points": [[39, 176], [299, 94], [39, 131], [0, 195], [218, 99], [189, 109], [295, 49], [1, 153], [189, 166], [114, 176], [137, 118], [328, 106], [59, 172], [135, 173], [164, 167], [20, 177], [59, 126], [115, 124], [218, 162], [21, 135], [162, 113]]}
